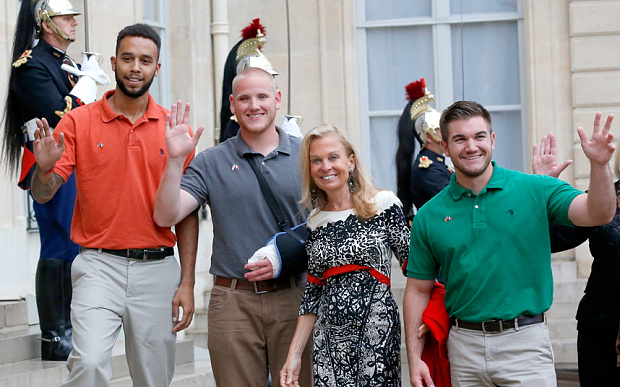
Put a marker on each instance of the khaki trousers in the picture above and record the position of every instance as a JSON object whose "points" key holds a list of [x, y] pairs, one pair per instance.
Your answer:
{"points": [[522, 357], [110, 292], [250, 334]]}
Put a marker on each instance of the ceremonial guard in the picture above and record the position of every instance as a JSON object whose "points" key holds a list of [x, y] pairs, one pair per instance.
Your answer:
{"points": [[46, 82], [421, 178]]}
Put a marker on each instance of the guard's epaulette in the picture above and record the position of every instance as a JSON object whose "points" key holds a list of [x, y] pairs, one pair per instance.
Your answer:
{"points": [[68, 106], [23, 59], [425, 162]]}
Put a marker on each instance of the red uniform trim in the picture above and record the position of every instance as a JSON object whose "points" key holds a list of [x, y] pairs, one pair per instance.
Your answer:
{"points": [[28, 162]]}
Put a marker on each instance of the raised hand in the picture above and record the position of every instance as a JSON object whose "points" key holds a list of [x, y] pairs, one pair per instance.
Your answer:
{"points": [[545, 159], [179, 140], [599, 148], [46, 150]]}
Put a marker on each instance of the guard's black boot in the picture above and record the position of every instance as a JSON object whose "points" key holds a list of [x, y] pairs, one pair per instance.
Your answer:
{"points": [[49, 283]]}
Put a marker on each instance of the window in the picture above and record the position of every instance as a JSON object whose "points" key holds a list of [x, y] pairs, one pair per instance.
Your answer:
{"points": [[465, 49], [155, 15]]}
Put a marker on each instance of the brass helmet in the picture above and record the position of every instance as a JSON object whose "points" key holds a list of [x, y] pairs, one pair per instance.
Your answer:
{"points": [[249, 55], [425, 118], [45, 10]]}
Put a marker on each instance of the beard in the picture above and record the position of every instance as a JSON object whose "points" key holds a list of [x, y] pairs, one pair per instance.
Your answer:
{"points": [[472, 172], [132, 93]]}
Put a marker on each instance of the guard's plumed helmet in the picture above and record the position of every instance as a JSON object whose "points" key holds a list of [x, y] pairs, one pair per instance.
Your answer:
{"points": [[248, 52], [425, 118], [45, 10]]}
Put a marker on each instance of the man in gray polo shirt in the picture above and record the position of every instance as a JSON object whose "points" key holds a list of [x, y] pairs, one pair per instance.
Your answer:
{"points": [[252, 317]]}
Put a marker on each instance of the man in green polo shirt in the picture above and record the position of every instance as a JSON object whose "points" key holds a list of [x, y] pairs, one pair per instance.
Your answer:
{"points": [[489, 231]]}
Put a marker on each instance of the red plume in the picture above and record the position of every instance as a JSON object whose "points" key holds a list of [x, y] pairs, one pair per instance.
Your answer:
{"points": [[251, 30], [415, 90]]}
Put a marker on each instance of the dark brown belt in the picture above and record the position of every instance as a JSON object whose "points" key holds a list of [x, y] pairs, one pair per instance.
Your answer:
{"points": [[258, 287], [142, 254], [495, 326]]}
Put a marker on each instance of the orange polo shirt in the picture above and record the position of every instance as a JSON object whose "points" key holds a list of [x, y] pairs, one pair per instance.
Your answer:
{"points": [[118, 166]]}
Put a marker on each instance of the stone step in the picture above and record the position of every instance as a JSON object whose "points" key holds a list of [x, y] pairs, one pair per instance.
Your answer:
{"points": [[563, 309], [13, 314], [200, 321], [19, 344], [560, 329], [34, 372], [198, 331], [564, 269], [569, 289], [565, 350]]}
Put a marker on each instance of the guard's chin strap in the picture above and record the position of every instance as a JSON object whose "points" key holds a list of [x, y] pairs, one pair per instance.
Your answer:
{"points": [[47, 20], [433, 134]]}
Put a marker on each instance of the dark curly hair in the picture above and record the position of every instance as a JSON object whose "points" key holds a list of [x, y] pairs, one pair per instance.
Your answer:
{"points": [[140, 30]]}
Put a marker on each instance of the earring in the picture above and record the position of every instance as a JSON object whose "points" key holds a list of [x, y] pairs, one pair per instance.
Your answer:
{"points": [[313, 195], [351, 182]]}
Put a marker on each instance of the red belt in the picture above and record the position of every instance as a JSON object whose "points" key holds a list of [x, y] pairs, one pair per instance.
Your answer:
{"points": [[346, 269], [258, 287]]}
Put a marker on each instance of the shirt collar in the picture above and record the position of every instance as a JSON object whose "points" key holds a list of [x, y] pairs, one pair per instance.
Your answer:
{"points": [[57, 54], [243, 149], [108, 114], [497, 181]]}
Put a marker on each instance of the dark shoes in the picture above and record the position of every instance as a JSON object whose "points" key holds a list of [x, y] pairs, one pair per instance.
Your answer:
{"points": [[55, 348]]}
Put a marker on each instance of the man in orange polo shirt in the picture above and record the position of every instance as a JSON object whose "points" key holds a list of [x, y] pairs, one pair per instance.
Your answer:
{"points": [[127, 274]]}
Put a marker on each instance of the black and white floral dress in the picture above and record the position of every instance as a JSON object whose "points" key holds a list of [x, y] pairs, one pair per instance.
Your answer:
{"points": [[356, 339]]}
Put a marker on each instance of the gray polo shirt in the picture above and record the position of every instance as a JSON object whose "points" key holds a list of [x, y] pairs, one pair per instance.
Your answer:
{"points": [[242, 221]]}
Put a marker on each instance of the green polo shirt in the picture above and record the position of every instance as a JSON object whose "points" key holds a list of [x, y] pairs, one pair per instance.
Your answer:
{"points": [[493, 247]]}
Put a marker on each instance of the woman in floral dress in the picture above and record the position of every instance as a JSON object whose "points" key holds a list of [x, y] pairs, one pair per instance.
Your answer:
{"points": [[353, 232]]}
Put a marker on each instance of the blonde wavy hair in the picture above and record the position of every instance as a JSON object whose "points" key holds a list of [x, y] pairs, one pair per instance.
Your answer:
{"points": [[365, 191]]}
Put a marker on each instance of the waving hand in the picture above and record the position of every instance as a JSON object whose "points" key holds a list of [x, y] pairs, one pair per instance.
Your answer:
{"points": [[46, 150], [179, 140], [598, 148]]}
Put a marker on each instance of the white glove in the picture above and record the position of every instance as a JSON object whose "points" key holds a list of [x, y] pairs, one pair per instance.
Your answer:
{"points": [[290, 126], [85, 89], [90, 68], [271, 254]]}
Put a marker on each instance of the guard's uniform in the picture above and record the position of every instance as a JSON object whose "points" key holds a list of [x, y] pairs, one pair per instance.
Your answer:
{"points": [[42, 89], [39, 88], [429, 175]]}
